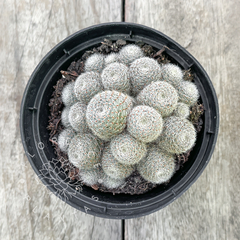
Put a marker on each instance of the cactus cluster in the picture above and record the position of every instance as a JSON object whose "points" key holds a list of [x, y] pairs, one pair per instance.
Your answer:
{"points": [[127, 112], [160, 95]]}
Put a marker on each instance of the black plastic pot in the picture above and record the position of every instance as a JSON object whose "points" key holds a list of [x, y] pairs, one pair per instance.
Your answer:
{"points": [[40, 152]]}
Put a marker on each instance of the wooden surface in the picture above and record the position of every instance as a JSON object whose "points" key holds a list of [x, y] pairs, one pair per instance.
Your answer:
{"points": [[209, 30], [29, 29]]}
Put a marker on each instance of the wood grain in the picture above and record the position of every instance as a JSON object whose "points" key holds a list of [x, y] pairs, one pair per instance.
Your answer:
{"points": [[29, 29], [210, 32]]}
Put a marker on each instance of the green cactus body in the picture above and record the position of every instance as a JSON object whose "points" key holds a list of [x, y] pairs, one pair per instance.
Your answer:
{"points": [[172, 74], [144, 123], [112, 167], [87, 85], [77, 117], [94, 63], [182, 110], [116, 77], [84, 151], [111, 58], [130, 53], [68, 96], [127, 150], [107, 113], [158, 167], [142, 72], [178, 136], [65, 118], [65, 138], [160, 95], [187, 92]]}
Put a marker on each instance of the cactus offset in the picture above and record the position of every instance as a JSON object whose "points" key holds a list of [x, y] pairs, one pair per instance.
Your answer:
{"points": [[112, 167], [178, 136], [172, 74], [160, 95], [144, 123], [65, 138], [94, 63], [111, 58], [109, 182], [157, 167], [187, 92], [68, 96], [90, 177], [182, 110], [142, 72], [107, 113], [87, 85], [77, 117], [116, 77], [65, 117], [127, 150], [84, 151], [130, 53]]}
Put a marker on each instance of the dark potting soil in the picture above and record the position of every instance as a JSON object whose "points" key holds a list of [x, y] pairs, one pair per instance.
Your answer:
{"points": [[135, 184]]}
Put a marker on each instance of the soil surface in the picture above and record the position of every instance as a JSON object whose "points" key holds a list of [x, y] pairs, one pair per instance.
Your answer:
{"points": [[135, 184]]}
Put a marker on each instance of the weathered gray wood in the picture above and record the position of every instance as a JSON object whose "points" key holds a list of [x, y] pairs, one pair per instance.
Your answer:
{"points": [[29, 29], [210, 31]]}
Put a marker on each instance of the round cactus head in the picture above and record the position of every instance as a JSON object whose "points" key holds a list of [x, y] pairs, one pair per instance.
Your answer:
{"points": [[158, 167], [111, 58], [178, 135], [107, 113], [182, 110], [160, 95], [187, 92], [94, 63], [65, 118], [126, 149], [130, 53], [77, 117], [87, 85], [142, 72], [144, 123], [84, 151], [109, 182], [172, 74], [112, 167], [65, 138], [68, 96], [90, 177], [116, 77]]}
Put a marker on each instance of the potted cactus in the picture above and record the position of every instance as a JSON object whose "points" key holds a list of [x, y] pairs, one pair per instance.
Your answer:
{"points": [[121, 117]]}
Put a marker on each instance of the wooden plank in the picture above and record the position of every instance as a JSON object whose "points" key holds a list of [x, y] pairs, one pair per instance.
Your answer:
{"points": [[29, 29], [210, 32]]}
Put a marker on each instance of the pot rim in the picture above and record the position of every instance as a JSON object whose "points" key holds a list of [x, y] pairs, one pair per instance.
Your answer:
{"points": [[125, 210]]}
